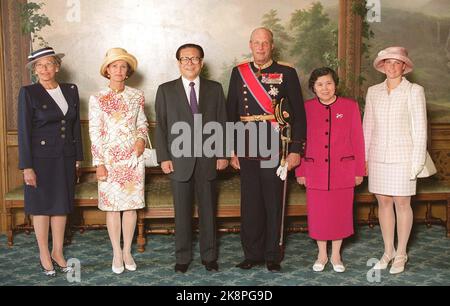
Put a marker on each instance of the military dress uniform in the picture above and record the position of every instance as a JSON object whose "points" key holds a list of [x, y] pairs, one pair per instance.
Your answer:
{"points": [[261, 188]]}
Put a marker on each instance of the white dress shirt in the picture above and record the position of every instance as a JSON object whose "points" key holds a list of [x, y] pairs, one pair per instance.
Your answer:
{"points": [[187, 88]]}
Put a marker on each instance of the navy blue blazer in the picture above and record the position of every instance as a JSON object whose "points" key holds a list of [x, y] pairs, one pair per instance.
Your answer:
{"points": [[44, 131]]}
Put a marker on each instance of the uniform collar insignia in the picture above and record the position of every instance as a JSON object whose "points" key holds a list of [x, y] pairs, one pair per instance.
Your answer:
{"points": [[262, 67]]}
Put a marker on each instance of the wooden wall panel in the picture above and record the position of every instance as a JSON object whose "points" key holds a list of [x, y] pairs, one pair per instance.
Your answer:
{"points": [[15, 177], [15, 48], [349, 46], [3, 159], [440, 149]]}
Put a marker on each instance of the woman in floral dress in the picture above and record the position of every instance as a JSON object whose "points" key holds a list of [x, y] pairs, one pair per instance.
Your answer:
{"points": [[118, 132]]}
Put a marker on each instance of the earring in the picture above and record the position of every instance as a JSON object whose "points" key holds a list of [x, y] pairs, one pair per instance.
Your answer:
{"points": [[108, 76], [126, 77]]}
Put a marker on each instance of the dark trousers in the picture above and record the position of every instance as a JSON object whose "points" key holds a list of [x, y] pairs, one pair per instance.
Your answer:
{"points": [[183, 197], [261, 207]]}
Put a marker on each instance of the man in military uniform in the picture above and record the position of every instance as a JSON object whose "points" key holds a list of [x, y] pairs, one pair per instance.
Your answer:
{"points": [[253, 88]]}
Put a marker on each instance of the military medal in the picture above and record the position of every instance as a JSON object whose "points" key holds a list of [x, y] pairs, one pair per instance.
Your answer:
{"points": [[272, 78], [273, 91]]}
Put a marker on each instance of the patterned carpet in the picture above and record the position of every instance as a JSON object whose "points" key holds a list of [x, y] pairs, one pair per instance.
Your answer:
{"points": [[429, 264]]}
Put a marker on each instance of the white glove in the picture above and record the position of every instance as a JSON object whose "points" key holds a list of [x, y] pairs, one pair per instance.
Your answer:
{"points": [[133, 161], [282, 171]]}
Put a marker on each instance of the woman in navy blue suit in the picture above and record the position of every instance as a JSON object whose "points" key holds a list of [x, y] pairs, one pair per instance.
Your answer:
{"points": [[50, 150]]}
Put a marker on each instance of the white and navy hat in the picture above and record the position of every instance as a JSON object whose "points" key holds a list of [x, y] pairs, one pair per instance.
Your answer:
{"points": [[41, 53]]}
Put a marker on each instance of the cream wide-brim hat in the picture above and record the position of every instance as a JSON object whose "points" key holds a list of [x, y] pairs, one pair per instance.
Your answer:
{"points": [[398, 53], [118, 54]]}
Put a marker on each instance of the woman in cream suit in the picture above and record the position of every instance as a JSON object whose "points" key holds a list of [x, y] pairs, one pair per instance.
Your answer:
{"points": [[395, 133], [118, 131]]}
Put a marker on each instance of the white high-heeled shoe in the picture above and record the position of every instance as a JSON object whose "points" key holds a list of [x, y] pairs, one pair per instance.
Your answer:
{"points": [[384, 261], [117, 270], [398, 266], [338, 267], [131, 267], [319, 266]]}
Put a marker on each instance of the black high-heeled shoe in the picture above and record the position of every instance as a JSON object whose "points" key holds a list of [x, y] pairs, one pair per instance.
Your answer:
{"points": [[50, 273], [65, 269]]}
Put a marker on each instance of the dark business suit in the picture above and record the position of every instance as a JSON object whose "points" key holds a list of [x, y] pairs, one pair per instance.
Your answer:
{"points": [[49, 143], [192, 175]]}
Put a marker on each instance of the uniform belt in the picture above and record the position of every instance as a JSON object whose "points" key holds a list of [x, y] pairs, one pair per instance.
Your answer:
{"points": [[257, 118]]}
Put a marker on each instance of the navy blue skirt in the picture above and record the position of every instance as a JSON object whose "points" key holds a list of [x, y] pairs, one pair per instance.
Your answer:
{"points": [[54, 195]]}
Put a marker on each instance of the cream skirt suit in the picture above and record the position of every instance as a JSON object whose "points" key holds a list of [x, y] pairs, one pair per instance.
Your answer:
{"points": [[395, 133]]}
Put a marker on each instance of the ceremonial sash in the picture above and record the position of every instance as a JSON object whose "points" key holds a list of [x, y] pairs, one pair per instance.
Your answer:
{"points": [[256, 89]]}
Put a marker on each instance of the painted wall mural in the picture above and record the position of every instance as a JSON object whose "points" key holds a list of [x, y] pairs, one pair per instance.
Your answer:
{"points": [[423, 27], [305, 34], [153, 30]]}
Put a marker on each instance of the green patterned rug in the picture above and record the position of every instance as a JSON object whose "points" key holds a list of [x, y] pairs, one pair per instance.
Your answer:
{"points": [[429, 253]]}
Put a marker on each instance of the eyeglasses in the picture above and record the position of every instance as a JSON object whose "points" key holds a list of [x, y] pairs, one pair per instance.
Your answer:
{"points": [[194, 60], [42, 66]]}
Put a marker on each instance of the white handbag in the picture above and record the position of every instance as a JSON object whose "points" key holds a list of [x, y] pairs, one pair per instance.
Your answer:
{"points": [[429, 169], [149, 155]]}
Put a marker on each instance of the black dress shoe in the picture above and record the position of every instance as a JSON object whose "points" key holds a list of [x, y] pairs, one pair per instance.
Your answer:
{"points": [[181, 268], [65, 269], [50, 273], [248, 264], [273, 266], [211, 265]]}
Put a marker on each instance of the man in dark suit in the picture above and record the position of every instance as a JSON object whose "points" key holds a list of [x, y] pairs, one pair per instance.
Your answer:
{"points": [[253, 88], [178, 104]]}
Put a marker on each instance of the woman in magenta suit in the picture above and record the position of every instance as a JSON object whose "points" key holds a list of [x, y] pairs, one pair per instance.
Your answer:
{"points": [[332, 166]]}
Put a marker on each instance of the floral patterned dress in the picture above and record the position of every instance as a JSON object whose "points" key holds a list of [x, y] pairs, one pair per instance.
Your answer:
{"points": [[116, 121]]}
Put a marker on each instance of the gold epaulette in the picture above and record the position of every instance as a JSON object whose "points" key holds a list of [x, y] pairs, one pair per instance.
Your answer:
{"points": [[244, 62], [286, 64]]}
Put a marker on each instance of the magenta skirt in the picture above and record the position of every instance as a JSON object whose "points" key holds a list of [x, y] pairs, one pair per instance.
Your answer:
{"points": [[330, 213]]}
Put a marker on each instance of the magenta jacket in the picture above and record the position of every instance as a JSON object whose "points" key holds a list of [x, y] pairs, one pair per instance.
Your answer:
{"points": [[334, 145]]}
